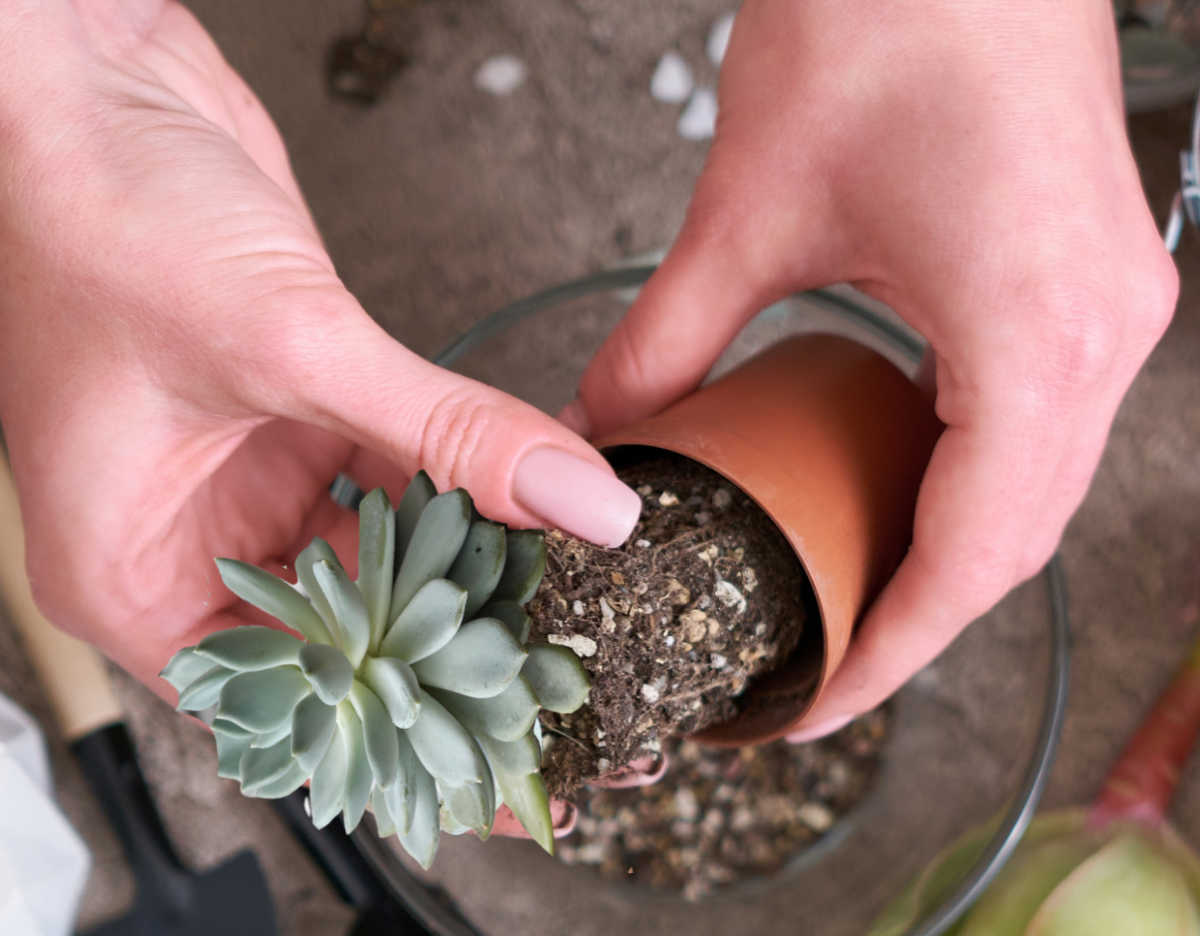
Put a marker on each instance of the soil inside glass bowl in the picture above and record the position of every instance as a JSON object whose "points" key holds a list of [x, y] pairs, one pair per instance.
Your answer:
{"points": [[724, 816]]}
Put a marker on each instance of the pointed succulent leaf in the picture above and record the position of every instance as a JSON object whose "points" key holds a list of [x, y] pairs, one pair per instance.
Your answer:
{"points": [[376, 559], [359, 778], [185, 667], [397, 687], [480, 563], [481, 660], [348, 607], [318, 551], [417, 495], [379, 734], [262, 764], [327, 792], [473, 805], [328, 670], [402, 797], [283, 784], [204, 691], [512, 758], [385, 825], [262, 701], [421, 837], [269, 738], [557, 677], [524, 565], [1126, 887], [272, 595], [251, 647], [313, 725], [505, 717], [513, 616], [526, 797], [232, 730], [444, 747], [230, 748], [435, 544], [427, 623]]}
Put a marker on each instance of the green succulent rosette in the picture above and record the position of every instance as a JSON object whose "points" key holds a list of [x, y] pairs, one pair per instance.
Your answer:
{"points": [[412, 690]]}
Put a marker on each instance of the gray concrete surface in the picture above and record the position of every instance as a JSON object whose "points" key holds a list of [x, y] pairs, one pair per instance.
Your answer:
{"points": [[442, 203]]}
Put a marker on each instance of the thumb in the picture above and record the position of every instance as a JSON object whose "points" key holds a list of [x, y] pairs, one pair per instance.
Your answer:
{"points": [[346, 375]]}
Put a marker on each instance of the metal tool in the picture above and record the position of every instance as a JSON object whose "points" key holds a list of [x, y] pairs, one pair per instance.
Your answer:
{"points": [[231, 899]]}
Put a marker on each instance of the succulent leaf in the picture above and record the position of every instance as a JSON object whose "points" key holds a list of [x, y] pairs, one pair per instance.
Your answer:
{"points": [[416, 497], [376, 559], [527, 798], [272, 595], [206, 690], [557, 677], [480, 661], [505, 717], [385, 825], [328, 670], [379, 734], [359, 775], [524, 566], [313, 725], [327, 789], [230, 748], [444, 747], [427, 622], [251, 648], [260, 765], [283, 784], [402, 796], [473, 805], [348, 607], [513, 616], [420, 839], [396, 685], [268, 738], [185, 667], [262, 701], [513, 758], [435, 543], [318, 551], [480, 563]]}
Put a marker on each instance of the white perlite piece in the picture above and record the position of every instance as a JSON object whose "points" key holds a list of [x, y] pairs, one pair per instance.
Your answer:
{"points": [[718, 39], [578, 608], [816, 816], [649, 693], [500, 75], [729, 596], [672, 79], [699, 119], [719, 661], [577, 643]]}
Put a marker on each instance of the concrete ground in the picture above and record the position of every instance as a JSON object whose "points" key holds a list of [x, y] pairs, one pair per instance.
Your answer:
{"points": [[443, 202]]}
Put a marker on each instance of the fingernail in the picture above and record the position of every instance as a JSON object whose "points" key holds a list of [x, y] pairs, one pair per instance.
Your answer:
{"points": [[820, 729], [576, 496], [574, 417]]}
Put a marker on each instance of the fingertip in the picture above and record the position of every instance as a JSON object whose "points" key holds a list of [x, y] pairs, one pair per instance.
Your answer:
{"points": [[576, 496], [575, 417]]}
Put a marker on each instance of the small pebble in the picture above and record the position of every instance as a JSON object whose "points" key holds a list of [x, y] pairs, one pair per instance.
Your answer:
{"points": [[718, 39], [668, 499], [500, 75], [645, 490], [749, 579], [649, 693], [606, 610], [722, 498], [577, 607], [719, 661], [672, 79], [729, 596], [577, 643], [643, 544], [817, 816], [699, 118]]}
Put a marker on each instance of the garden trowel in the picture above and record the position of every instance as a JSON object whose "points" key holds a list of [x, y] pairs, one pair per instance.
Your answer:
{"points": [[231, 899]]}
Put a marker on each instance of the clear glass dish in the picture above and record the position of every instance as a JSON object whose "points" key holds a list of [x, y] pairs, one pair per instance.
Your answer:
{"points": [[972, 736]]}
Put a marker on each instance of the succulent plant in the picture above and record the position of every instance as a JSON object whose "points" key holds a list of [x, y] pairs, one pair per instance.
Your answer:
{"points": [[412, 690]]}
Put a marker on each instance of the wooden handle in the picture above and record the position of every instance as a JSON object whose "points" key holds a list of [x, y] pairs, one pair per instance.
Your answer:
{"points": [[72, 673]]}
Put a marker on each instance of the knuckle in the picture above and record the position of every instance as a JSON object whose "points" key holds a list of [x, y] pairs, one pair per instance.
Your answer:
{"points": [[453, 434]]}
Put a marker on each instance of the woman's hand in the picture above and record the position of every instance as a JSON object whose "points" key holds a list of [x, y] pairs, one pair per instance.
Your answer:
{"points": [[182, 374], [966, 162]]}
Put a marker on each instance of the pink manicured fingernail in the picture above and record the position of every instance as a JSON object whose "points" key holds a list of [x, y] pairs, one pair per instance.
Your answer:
{"points": [[574, 417], [820, 729], [576, 496]]}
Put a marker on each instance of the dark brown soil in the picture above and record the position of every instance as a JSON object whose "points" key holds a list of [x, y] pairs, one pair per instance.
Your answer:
{"points": [[719, 817], [670, 627]]}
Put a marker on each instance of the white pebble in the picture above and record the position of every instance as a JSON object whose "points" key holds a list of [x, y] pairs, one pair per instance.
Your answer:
{"points": [[668, 499], [686, 805], [669, 640], [606, 610], [699, 119], [718, 39], [643, 544], [500, 75], [722, 498], [577, 643], [719, 661], [672, 79], [649, 693], [577, 607], [729, 596], [816, 816]]}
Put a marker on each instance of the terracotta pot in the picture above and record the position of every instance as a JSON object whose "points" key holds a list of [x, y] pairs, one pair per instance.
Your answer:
{"points": [[831, 440]]}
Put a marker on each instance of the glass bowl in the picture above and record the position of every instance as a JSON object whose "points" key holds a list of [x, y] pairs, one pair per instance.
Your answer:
{"points": [[972, 736]]}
